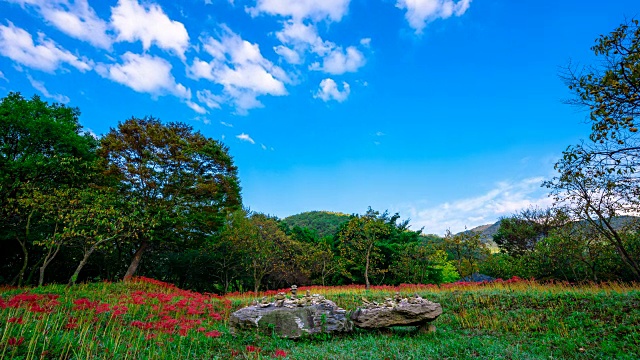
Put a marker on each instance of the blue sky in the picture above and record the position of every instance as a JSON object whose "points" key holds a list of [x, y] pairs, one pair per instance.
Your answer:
{"points": [[449, 112]]}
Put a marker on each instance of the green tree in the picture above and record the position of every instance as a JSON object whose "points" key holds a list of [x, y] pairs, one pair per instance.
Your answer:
{"points": [[42, 148], [467, 251], [519, 233], [183, 182], [598, 179], [361, 240]]}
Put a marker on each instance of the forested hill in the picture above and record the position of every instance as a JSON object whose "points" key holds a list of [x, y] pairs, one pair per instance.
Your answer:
{"points": [[326, 223]]}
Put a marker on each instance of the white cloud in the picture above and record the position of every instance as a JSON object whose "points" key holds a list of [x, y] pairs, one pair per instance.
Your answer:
{"points": [[75, 18], [299, 38], [290, 55], [339, 62], [504, 200], [263, 146], [366, 42], [302, 9], [3, 77], [145, 74], [329, 91], [18, 45], [240, 68], [208, 98], [196, 107], [225, 124], [149, 24], [38, 85], [421, 12], [245, 137]]}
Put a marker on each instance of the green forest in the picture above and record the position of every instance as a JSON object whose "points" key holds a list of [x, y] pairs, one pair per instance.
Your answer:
{"points": [[161, 200]]}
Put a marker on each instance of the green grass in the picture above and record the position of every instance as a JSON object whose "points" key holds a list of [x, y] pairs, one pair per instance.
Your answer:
{"points": [[507, 320]]}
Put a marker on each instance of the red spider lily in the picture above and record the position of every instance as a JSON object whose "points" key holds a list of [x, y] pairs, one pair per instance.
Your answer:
{"points": [[251, 348], [102, 308], [15, 320], [150, 336], [72, 324], [141, 325], [183, 332], [280, 353], [216, 316], [15, 342], [213, 334], [119, 310], [234, 353], [84, 304]]}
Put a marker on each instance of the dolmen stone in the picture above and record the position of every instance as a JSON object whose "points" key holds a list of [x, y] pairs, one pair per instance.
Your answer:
{"points": [[413, 311], [292, 317]]}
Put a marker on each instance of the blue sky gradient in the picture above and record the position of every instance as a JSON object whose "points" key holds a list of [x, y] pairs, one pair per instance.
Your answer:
{"points": [[449, 112]]}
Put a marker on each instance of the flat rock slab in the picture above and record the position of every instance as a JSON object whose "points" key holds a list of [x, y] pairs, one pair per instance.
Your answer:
{"points": [[405, 312], [291, 320]]}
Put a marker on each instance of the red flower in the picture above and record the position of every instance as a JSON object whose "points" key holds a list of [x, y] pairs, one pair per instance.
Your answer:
{"points": [[72, 324], [15, 342], [151, 336], [16, 320], [280, 353], [251, 348], [234, 353], [213, 334]]}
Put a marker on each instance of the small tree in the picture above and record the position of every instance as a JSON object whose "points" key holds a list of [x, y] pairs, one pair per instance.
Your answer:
{"points": [[598, 179]]}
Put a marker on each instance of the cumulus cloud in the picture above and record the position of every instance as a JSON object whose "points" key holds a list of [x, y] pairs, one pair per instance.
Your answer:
{"points": [[299, 38], [149, 24], [38, 85], [339, 62], [329, 91], [332, 10], [145, 74], [74, 18], [18, 45], [505, 199], [245, 137], [240, 68], [421, 12]]}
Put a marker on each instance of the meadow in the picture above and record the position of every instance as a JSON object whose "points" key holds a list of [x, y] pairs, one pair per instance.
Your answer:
{"points": [[149, 319]]}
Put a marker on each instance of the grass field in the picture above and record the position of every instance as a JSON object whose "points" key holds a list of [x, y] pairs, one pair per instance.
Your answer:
{"points": [[147, 319]]}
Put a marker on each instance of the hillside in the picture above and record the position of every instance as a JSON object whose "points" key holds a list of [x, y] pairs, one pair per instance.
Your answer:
{"points": [[326, 223]]}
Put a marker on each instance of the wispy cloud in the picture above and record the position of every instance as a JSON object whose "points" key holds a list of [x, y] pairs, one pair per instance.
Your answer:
{"points": [[18, 45], [3, 77], [421, 12], [76, 19], [245, 137], [225, 124], [504, 199], [38, 85]]}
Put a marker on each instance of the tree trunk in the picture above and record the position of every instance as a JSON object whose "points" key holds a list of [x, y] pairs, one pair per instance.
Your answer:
{"points": [[84, 260], [25, 262], [47, 260], [135, 261], [366, 268]]}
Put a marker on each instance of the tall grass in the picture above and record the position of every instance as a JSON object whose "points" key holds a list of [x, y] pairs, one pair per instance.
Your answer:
{"points": [[149, 319]]}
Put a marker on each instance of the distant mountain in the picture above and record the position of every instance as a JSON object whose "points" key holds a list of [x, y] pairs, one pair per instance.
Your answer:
{"points": [[486, 232], [326, 223]]}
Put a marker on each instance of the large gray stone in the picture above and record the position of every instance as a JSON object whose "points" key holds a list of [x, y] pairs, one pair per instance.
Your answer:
{"points": [[292, 319], [414, 311]]}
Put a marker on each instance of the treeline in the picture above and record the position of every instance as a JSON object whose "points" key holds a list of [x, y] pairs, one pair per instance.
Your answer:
{"points": [[164, 201]]}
